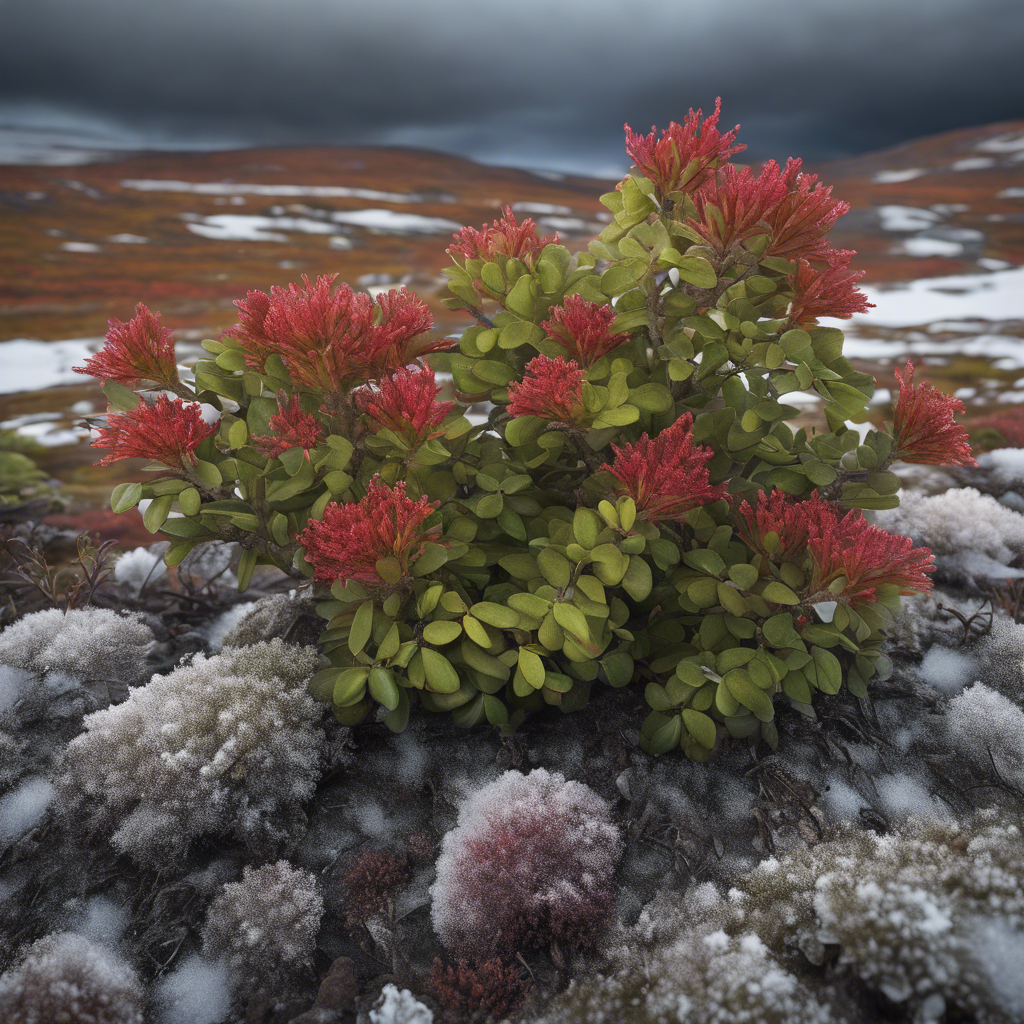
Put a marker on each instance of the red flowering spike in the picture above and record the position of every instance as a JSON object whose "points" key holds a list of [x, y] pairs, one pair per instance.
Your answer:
{"points": [[292, 428], [350, 539], [923, 429], [732, 205], [666, 477], [167, 432], [404, 317], [828, 292], [866, 557], [582, 329], [803, 217], [779, 527], [551, 389], [136, 351], [406, 403], [325, 339], [503, 238], [686, 154]]}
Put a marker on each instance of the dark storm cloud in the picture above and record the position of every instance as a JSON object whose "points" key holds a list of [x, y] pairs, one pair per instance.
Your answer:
{"points": [[543, 83]]}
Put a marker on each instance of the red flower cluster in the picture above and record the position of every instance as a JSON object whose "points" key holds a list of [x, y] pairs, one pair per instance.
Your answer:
{"points": [[330, 340], [666, 477], [370, 882], [733, 203], [503, 238], [350, 539], [404, 318], [783, 529], [686, 154], [139, 350], [582, 329], [803, 217], [406, 403], [923, 429], [551, 389], [292, 428], [828, 292], [779, 527], [866, 557], [167, 432]]}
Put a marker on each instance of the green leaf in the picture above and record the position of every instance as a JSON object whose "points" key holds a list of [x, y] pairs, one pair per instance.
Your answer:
{"points": [[520, 299], [571, 619], [779, 631], [397, 719], [532, 667], [208, 474], [829, 671], [520, 332], [246, 564], [704, 560], [749, 695], [697, 271], [442, 632], [383, 687], [362, 626], [389, 645], [586, 525], [350, 686], [441, 675], [554, 567], [496, 615], [293, 460], [156, 514], [700, 726], [778, 593], [431, 559], [125, 496], [189, 501], [489, 506], [121, 399], [389, 569], [637, 580], [238, 434]]}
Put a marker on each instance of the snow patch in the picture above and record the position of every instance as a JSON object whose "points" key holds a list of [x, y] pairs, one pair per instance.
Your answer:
{"points": [[893, 177], [932, 247], [906, 218], [23, 808], [80, 247], [973, 163], [141, 567], [400, 1006], [224, 188], [195, 992], [390, 222], [946, 670], [218, 628]]}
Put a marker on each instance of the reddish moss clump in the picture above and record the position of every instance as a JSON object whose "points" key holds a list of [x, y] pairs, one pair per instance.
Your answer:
{"points": [[370, 883], [491, 988]]}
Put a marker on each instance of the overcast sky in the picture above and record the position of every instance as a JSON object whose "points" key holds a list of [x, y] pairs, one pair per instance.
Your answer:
{"points": [[544, 84]]}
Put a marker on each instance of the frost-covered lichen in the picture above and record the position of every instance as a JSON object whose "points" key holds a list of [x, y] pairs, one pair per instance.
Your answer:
{"points": [[529, 863], [400, 1006], [930, 916], [229, 744], [989, 729], [85, 643], [965, 529], [67, 979], [265, 926]]}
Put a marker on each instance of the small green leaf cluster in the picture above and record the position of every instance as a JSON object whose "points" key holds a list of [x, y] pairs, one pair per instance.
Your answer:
{"points": [[546, 574]]}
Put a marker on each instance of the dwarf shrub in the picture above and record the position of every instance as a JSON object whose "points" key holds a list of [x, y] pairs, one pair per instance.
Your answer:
{"points": [[632, 507]]}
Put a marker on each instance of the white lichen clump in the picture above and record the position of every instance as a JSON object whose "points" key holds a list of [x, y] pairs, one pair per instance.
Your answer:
{"points": [[229, 744], [963, 527], [65, 977], [989, 729], [531, 862], [141, 567], [930, 916], [86, 643], [265, 926]]}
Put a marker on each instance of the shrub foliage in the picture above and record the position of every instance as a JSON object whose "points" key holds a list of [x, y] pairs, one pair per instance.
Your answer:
{"points": [[615, 494]]}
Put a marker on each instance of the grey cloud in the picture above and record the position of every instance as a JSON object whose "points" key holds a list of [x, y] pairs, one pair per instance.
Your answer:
{"points": [[535, 82]]}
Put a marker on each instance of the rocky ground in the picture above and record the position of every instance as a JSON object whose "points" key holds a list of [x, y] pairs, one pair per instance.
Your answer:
{"points": [[208, 846]]}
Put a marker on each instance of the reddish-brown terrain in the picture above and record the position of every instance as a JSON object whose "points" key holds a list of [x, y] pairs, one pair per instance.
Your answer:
{"points": [[188, 233]]}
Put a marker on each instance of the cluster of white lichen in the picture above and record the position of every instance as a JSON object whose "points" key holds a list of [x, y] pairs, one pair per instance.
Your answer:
{"points": [[264, 927], [67, 979], [230, 744]]}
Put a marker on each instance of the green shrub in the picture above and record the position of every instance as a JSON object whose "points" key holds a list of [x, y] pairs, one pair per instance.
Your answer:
{"points": [[632, 508]]}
